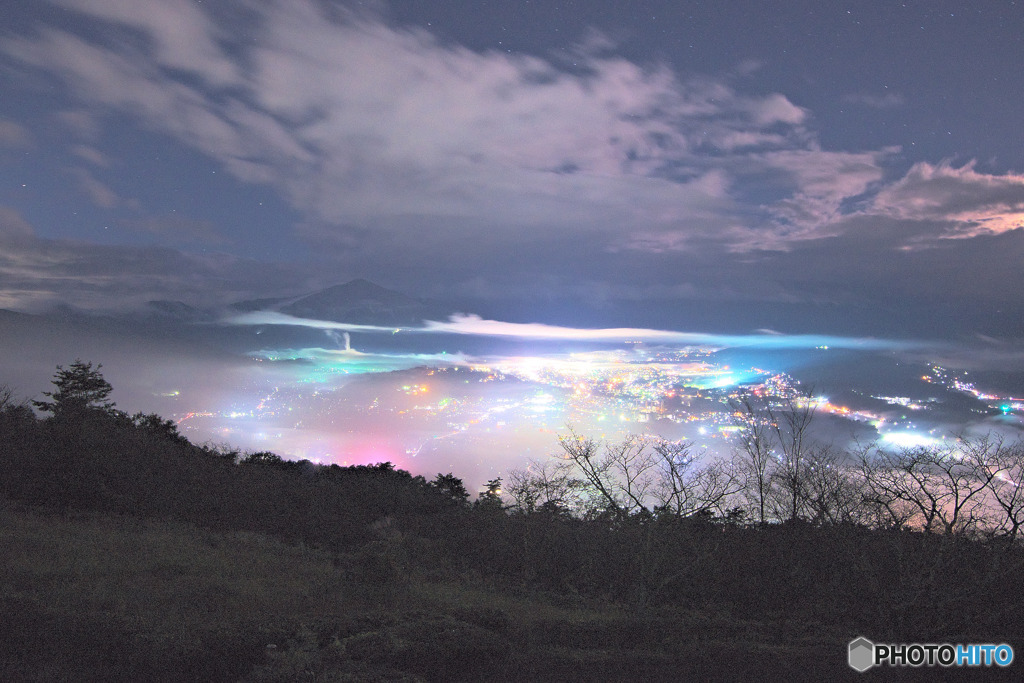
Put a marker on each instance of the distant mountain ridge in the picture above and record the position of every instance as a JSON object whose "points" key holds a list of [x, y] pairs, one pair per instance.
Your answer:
{"points": [[177, 310], [358, 301]]}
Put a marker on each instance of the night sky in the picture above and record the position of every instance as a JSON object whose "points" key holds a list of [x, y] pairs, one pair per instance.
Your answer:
{"points": [[860, 162]]}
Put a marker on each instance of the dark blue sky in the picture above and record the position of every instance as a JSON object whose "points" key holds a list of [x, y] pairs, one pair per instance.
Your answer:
{"points": [[663, 157]]}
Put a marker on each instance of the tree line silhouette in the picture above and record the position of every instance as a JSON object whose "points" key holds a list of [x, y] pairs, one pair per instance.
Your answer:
{"points": [[919, 545], [963, 486], [87, 454]]}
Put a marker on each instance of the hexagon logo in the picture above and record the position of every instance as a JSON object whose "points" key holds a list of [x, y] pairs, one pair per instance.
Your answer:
{"points": [[862, 654]]}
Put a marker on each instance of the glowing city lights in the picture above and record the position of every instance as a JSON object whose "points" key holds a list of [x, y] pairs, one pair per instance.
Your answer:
{"points": [[346, 405]]}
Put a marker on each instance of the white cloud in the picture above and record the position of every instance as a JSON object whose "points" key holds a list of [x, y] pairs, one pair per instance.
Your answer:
{"points": [[777, 109], [91, 154], [966, 202], [80, 122], [181, 35], [821, 181], [404, 152], [97, 192], [474, 325], [360, 123]]}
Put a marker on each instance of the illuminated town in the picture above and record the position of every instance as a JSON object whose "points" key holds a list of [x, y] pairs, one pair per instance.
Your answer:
{"points": [[483, 415]]}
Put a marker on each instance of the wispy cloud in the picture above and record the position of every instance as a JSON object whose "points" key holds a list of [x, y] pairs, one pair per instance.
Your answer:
{"points": [[966, 202], [406, 153], [14, 135], [13, 226], [473, 325], [91, 154], [80, 122], [98, 192], [182, 36], [362, 124]]}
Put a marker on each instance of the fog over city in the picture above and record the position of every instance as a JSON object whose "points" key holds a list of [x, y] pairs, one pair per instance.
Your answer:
{"points": [[479, 398]]}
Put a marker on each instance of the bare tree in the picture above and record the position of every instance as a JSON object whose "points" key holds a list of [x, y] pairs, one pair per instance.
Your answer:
{"points": [[686, 486], [549, 484], [6, 397], [834, 492], [1003, 465], [942, 487], [645, 473], [883, 507], [754, 459], [12, 410], [619, 478], [790, 424], [773, 455]]}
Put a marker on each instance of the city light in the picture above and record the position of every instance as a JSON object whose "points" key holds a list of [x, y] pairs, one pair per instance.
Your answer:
{"points": [[348, 405]]}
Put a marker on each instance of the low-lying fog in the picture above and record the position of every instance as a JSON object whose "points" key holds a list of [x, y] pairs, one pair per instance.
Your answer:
{"points": [[478, 398]]}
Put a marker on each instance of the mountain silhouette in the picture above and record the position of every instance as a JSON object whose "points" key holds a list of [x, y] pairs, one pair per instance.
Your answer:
{"points": [[359, 301]]}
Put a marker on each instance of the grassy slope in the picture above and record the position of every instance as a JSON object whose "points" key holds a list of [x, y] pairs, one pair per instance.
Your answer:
{"points": [[92, 596], [92, 593]]}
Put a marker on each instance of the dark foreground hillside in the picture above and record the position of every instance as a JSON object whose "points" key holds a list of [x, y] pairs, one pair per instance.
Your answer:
{"points": [[91, 596], [132, 554]]}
